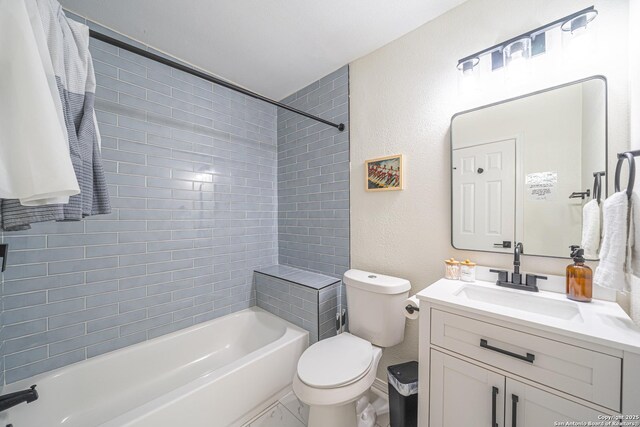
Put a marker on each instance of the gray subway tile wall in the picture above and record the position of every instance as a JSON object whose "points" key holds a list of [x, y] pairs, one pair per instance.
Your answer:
{"points": [[313, 178], [308, 300], [329, 304], [192, 172], [296, 275], [2, 331]]}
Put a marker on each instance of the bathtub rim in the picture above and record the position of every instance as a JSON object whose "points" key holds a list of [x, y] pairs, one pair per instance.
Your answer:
{"points": [[290, 337], [27, 382]]}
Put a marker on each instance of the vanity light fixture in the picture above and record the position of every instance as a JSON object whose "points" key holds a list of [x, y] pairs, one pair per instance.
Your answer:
{"points": [[579, 23], [468, 65], [517, 51], [528, 44]]}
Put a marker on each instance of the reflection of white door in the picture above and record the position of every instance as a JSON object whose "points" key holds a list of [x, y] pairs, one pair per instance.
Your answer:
{"points": [[484, 195]]}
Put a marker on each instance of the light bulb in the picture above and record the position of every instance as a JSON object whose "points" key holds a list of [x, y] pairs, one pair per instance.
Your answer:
{"points": [[517, 51], [467, 66], [577, 42]]}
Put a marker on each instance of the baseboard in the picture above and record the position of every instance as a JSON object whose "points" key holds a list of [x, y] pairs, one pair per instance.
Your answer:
{"points": [[381, 386], [256, 412]]}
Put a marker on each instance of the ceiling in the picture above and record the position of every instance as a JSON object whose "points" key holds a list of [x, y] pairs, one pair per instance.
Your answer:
{"points": [[273, 47]]}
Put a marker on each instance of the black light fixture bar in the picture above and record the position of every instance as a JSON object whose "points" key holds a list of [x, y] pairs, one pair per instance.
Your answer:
{"points": [[532, 34], [205, 76]]}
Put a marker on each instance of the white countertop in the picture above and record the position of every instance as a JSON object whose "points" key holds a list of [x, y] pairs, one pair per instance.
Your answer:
{"points": [[598, 322]]}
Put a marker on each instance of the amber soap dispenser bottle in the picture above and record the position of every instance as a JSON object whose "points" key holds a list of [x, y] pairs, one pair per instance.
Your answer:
{"points": [[579, 283]]}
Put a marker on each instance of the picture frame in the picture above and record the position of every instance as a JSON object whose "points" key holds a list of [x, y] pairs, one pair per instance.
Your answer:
{"points": [[384, 173]]}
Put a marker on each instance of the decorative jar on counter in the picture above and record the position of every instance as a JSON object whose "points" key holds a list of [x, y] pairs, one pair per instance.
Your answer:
{"points": [[468, 271], [452, 269]]}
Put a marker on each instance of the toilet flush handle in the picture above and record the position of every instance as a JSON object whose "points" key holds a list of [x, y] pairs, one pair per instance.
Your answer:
{"points": [[341, 320], [344, 319]]}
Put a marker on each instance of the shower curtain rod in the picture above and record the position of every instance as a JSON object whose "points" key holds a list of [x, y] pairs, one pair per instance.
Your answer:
{"points": [[205, 76]]}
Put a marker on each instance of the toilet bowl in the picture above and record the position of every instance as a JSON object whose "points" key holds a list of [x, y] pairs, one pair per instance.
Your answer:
{"points": [[332, 375]]}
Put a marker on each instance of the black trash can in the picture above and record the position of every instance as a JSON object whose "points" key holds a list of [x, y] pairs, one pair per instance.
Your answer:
{"points": [[403, 394]]}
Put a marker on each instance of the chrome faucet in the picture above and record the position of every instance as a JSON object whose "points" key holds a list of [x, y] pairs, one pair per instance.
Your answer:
{"points": [[530, 282], [12, 399]]}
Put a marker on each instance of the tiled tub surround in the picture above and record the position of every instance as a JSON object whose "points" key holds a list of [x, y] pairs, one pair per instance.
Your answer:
{"points": [[313, 178], [191, 169], [306, 299], [190, 378]]}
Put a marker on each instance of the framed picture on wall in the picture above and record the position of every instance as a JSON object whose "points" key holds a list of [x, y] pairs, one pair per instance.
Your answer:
{"points": [[384, 173]]}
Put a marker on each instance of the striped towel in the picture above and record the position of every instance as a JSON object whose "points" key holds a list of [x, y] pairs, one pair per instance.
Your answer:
{"points": [[35, 165], [68, 43]]}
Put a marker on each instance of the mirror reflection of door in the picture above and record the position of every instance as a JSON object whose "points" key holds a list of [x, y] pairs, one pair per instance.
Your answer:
{"points": [[484, 205], [559, 140]]}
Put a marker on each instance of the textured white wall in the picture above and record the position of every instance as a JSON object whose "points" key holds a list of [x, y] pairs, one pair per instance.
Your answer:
{"points": [[402, 99], [634, 112], [634, 70]]}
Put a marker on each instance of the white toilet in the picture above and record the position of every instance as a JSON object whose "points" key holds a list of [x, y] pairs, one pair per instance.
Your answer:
{"points": [[334, 373]]}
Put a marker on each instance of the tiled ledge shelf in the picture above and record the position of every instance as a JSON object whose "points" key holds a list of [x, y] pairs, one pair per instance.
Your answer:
{"points": [[309, 300]]}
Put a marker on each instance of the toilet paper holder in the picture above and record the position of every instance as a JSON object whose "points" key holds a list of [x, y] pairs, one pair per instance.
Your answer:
{"points": [[411, 309]]}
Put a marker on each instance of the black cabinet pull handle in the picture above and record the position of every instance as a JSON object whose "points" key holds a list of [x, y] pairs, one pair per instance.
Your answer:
{"points": [[528, 358], [514, 410], [494, 395]]}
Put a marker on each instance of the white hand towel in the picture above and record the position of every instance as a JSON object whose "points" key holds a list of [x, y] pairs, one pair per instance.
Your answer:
{"points": [[591, 232], [613, 267]]}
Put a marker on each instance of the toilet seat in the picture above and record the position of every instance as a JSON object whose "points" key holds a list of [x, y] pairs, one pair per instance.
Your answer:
{"points": [[335, 362]]}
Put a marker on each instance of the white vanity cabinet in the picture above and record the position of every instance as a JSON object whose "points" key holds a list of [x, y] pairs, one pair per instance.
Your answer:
{"points": [[464, 394], [533, 407], [485, 365]]}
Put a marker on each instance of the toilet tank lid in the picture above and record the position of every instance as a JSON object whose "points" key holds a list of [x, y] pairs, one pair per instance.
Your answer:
{"points": [[374, 282]]}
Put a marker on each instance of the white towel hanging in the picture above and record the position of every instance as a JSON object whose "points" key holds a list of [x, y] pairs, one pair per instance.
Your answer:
{"points": [[35, 166], [614, 265], [591, 229]]}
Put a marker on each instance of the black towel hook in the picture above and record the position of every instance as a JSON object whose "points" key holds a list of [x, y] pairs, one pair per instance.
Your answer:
{"points": [[597, 185], [632, 171]]}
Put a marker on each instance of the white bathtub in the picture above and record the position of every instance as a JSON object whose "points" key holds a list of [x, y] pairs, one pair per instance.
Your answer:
{"points": [[212, 374]]}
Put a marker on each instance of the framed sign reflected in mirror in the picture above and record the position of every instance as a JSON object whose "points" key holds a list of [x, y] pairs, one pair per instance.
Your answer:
{"points": [[523, 169]]}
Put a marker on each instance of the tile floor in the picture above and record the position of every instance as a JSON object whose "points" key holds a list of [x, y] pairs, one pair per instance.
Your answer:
{"points": [[290, 412]]}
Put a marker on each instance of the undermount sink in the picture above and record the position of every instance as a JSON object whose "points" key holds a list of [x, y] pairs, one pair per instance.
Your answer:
{"points": [[518, 300]]}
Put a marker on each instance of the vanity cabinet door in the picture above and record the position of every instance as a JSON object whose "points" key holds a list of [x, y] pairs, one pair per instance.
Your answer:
{"points": [[463, 394], [528, 406]]}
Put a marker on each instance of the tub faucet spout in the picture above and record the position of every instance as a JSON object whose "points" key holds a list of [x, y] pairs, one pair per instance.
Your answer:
{"points": [[12, 399]]}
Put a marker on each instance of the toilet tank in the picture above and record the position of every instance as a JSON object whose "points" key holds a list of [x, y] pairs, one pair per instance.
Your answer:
{"points": [[376, 306]]}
